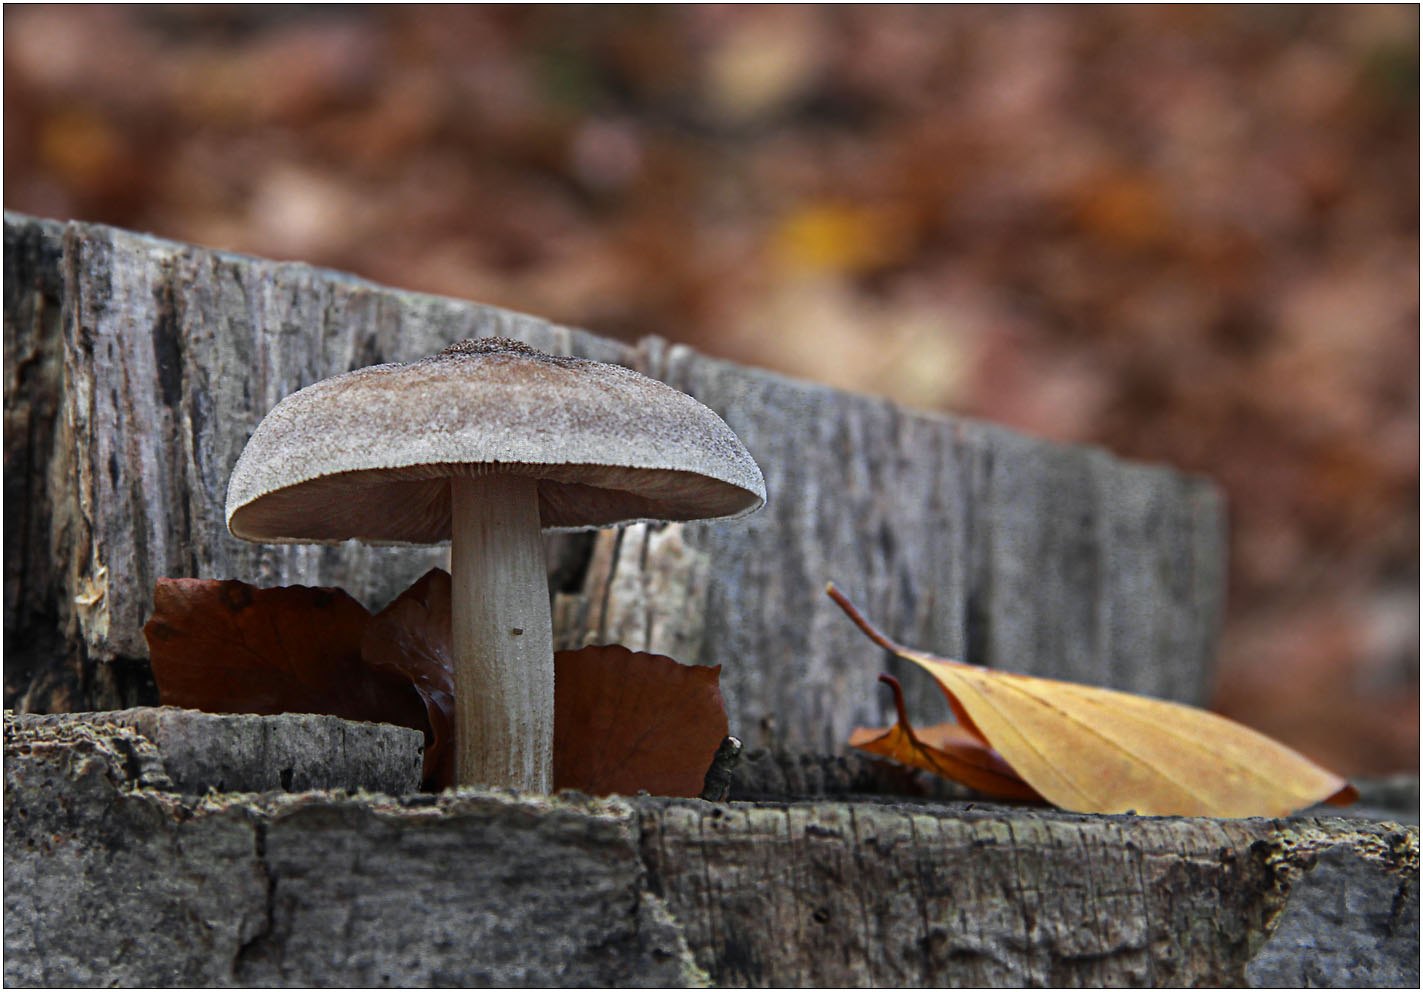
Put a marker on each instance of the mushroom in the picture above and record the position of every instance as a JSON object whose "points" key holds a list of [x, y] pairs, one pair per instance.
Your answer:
{"points": [[485, 444]]}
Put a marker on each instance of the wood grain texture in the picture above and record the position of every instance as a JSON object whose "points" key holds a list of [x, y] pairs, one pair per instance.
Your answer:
{"points": [[956, 536], [111, 879], [38, 672], [110, 884], [192, 752], [962, 538], [644, 587]]}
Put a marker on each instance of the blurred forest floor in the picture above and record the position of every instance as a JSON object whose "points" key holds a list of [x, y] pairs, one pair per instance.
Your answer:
{"points": [[1189, 234]]}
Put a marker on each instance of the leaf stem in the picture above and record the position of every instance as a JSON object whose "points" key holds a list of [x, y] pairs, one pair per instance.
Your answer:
{"points": [[900, 709], [859, 620]]}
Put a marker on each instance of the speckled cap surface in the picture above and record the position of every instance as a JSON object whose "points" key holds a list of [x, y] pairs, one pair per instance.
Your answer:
{"points": [[369, 454]]}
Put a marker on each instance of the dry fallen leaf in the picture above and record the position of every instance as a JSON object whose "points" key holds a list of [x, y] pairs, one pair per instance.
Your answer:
{"points": [[410, 639], [1095, 750], [623, 721], [947, 749], [626, 720], [228, 647]]}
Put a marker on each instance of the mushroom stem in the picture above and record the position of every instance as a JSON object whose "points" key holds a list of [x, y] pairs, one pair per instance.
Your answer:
{"points": [[502, 634]]}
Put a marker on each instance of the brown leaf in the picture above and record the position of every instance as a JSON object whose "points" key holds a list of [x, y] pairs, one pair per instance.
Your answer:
{"points": [[410, 639], [946, 749], [228, 647], [623, 720], [626, 720], [1096, 750]]}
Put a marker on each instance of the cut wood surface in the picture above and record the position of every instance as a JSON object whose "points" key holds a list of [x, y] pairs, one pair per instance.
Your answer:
{"points": [[113, 879], [136, 369]]}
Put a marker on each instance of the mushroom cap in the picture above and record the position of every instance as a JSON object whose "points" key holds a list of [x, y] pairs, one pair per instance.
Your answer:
{"points": [[368, 454]]}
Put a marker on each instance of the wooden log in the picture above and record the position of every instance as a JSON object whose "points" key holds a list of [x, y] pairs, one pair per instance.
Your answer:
{"points": [[140, 366], [112, 881], [192, 752]]}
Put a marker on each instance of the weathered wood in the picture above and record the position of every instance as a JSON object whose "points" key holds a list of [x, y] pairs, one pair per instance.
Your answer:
{"points": [[956, 536], [191, 752], [38, 617], [110, 881], [1345, 925], [111, 885], [644, 587], [960, 538]]}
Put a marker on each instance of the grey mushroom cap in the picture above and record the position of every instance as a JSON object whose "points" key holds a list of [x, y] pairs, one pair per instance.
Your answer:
{"points": [[369, 454]]}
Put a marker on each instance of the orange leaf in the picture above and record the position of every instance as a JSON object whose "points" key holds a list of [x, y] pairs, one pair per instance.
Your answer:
{"points": [[227, 647], [410, 639], [626, 720], [1097, 750], [946, 749]]}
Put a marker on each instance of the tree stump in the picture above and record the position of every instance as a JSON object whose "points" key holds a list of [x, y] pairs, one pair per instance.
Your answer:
{"points": [[113, 879], [138, 367]]}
